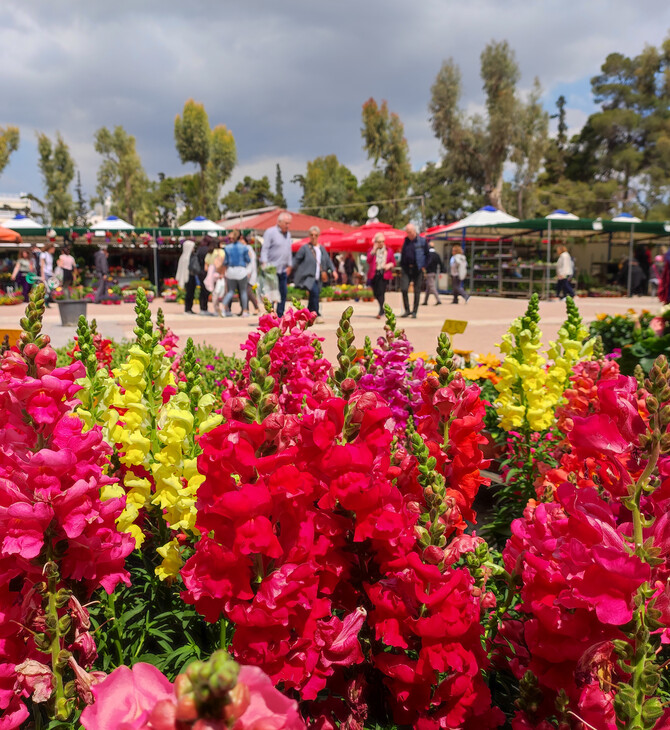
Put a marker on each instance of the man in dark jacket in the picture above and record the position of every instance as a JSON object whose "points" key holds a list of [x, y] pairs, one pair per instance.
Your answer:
{"points": [[207, 245], [413, 260], [102, 272], [433, 266], [311, 260]]}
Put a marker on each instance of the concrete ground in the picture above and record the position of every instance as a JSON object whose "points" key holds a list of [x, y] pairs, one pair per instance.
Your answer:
{"points": [[487, 317]]}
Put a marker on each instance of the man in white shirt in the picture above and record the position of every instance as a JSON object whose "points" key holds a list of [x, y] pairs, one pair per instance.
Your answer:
{"points": [[276, 251]]}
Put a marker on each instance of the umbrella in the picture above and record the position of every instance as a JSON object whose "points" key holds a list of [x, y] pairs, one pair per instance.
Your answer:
{"points": [[561, 215], [7, 235], [113, 223], [200, 223], [19, 222], [486, 216], [360, 239]]}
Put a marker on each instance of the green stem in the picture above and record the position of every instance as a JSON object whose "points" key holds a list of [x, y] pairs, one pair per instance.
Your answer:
{"points": [[111, 605], [638, 535], [55, 647], [223, 630]]}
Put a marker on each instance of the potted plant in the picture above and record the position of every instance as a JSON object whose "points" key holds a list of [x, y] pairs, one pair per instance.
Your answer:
{"points": [[71, 304]]}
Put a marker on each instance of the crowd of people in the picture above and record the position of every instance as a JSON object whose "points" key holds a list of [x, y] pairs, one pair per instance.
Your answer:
{"points": [[231, 267], [41, 264]]}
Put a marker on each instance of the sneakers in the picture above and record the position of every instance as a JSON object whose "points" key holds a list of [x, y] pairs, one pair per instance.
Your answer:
{"points": [[405, 314], [245, 314], [189, 311], [413, 315], [227, 313], [319, 320]]}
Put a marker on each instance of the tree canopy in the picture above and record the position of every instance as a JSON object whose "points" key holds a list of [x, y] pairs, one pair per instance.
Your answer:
{"points": [[9, 143], [57, 168]]}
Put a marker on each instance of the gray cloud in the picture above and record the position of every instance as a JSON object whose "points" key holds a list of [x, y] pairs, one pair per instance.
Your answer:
{"points": [[287, 78]]}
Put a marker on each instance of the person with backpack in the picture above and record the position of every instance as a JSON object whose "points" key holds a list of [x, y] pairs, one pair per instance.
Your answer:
{"points": [[458, 267], [433, 266]]}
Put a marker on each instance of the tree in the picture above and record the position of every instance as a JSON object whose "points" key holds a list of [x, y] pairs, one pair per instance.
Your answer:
{"points": [[213, 150], [80, 208], [9, 143], [554, 163], [530, 144], [328, 183], [57, 168], [248, 194], [478, 148], [165, 195], [446, 197], [384, 141], [121, 175], [279, 188]]}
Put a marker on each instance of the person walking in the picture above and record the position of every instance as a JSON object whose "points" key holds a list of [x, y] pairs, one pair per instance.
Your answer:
{"points": [[236, 259], [21, 273], [380, 269], [276, 252], [186, 279], [47, 270], [311, 265], [206, 248], [350, 269], [413, 258], [564, 270], [458, 267], [252, 273], [102, 272], [68, 266], [433, 266]]}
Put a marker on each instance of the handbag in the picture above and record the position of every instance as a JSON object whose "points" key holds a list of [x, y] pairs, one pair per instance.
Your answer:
{"points": [[324, 276]]}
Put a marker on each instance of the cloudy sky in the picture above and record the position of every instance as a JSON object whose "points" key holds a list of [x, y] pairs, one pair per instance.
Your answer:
{"points": [[287, 77]]}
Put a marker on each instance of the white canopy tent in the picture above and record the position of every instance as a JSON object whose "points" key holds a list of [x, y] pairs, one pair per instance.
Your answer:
{"points": [[486, 216], [112, 223], [21, 222], [200, 223]]}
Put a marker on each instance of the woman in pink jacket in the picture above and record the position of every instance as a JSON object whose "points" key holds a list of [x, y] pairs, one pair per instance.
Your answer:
{"points": [[380, 269]]}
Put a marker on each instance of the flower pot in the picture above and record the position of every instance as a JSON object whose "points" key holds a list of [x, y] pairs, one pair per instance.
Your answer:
{"points": [[70, 310]]}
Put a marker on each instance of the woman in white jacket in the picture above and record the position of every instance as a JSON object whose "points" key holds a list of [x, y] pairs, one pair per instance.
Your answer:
{"points": [[564, 270], [458, 266]]}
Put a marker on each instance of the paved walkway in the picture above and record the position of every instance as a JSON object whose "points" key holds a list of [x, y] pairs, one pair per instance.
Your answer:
{"points": [[488, 318]]}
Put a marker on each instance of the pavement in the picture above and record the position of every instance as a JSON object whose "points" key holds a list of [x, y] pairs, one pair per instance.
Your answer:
{"points": [[487, 319]]}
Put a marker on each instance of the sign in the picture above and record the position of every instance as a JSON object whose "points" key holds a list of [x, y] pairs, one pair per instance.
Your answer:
{"points": [[454, 326]]}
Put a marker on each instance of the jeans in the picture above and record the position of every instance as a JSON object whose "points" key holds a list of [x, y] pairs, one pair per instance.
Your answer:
{"points": [[314, 294], [379, 290], [564, 288], [189, 293], [431, 287], [239, 286], [282, 285], [204, 294], [457, 288], [413, 276], [101, 293]]}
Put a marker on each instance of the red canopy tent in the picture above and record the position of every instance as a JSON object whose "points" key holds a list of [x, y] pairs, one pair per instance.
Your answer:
{"points": [[7, 235], [360, 240]]}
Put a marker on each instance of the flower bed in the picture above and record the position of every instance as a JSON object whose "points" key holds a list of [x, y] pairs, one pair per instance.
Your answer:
{"points": [[296, 542], [10, 299]]}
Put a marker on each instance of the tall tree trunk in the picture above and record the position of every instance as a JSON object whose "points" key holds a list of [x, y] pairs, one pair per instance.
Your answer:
{"points": [[495, 193]]}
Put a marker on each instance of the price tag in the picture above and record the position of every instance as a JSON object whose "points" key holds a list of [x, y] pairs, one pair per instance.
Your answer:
{"points": [[454, 326]]}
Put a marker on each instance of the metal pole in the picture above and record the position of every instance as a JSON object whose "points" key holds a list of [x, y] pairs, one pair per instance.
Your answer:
{"points": [[630, 259], [423, 212], [156, 262], [546, 276]]}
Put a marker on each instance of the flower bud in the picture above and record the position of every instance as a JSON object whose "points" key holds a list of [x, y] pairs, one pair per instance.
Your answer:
{"points": [[433, 555], [239, 701], [30, 350]]}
